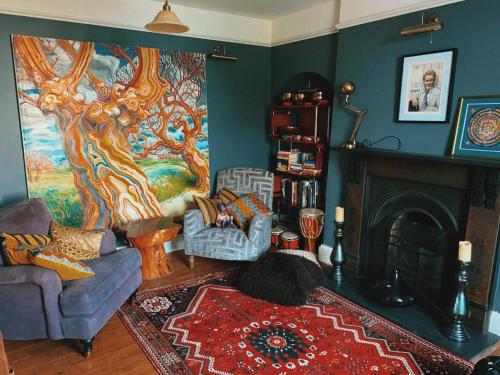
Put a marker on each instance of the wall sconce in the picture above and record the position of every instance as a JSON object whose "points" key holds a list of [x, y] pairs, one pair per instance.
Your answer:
{"points": [[429, 23], [347, 90]]}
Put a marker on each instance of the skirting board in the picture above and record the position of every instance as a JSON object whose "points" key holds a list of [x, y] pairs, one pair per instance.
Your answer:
{"points": [[324, 252], [494, 326]]}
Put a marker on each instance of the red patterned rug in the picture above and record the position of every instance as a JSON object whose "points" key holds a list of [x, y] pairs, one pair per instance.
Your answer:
{"points": [[206, 326]]}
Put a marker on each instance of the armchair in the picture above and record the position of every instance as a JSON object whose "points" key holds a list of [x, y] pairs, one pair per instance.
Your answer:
{"points": [[34, 303], [232, 243]]}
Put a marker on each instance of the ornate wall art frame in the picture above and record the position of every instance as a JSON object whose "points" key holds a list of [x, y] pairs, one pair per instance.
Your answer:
{"points": [[477, 129]]}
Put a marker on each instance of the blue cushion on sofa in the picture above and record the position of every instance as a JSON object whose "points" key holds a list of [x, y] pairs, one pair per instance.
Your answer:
{"points": [[85, 296]]}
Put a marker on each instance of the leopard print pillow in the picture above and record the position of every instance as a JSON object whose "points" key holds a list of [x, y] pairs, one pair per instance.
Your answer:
{"points": [[75, 242]]}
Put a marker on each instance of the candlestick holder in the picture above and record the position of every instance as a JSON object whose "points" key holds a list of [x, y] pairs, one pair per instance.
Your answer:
{"points": [[459, 308], [337, 256]]}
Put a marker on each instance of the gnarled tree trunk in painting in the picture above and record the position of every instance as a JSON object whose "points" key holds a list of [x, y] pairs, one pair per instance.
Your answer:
{"points": [[111, 187]]}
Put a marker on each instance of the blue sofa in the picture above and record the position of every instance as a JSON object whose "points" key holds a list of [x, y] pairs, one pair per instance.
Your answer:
{"points": [[34, 303]]}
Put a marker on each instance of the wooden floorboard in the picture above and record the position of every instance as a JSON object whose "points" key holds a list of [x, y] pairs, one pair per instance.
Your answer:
{"points": [[115, 350]]}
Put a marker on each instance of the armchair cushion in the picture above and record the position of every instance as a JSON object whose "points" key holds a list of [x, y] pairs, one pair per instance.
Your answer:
{"points": [[245, 208], [227, 195], [15, 247], [76, 243], [66, 267], [85, 296], [208, 208]]}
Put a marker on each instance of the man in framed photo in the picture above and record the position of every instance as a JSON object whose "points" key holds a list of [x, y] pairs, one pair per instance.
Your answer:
{"points": [[427, 99]]}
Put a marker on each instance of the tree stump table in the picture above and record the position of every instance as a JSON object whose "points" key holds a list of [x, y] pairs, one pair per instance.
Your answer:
{"points": [[148, 236]]}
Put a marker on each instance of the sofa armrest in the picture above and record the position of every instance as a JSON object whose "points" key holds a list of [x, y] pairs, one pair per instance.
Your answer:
{"points": [[193, 222], [50, 285], [108, 243], [259, 232]]}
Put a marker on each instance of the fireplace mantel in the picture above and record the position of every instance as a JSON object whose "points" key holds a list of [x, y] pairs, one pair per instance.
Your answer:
{"points": [[477, 178]]}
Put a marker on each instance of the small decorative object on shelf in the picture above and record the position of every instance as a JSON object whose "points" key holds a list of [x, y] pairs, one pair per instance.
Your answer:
{"points": [[459, 309], [318, 98], [286, 99], [311, 224], [337, 256], [299, 98], [347, 90]]}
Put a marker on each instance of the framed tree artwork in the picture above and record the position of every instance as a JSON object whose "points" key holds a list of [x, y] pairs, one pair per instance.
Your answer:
{"points": [[426, 87], [477, 132], [111, 134]]}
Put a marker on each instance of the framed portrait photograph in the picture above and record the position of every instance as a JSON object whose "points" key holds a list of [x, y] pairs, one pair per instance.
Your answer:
{"points": [[477, 132], [426, 87]]}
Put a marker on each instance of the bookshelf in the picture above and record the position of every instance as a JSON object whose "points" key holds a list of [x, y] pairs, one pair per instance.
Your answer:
{"points": [[299, 159]]}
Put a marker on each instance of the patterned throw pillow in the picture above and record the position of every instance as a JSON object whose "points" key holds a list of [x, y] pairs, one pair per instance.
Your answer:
{"points": [[226, 196], [208, 208], [75, 242], [15, 247], [66, 267], [245, 208]]}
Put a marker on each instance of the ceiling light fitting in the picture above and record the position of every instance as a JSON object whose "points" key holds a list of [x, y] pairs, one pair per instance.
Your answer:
{"points": [[166, 21], [430, 22]]}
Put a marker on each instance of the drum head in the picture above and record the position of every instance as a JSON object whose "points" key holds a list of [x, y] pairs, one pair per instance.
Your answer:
{"points": [[289, 236], [277, 230], [312, 212]]}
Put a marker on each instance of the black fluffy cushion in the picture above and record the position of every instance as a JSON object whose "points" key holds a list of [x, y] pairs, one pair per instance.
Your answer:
{"points": [[281, 278]]}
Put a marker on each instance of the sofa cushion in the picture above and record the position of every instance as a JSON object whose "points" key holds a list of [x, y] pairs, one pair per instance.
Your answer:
{"points": [[77, 243], [15, 246], [85, 296], [66, 267]]}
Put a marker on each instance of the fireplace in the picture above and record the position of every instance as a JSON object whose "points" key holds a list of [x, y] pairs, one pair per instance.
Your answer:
{"points": [[408, 212]]}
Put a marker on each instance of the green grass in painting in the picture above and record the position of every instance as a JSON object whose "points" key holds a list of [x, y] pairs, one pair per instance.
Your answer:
{"points": [[57, 190], [167, 188], [167, 178]]}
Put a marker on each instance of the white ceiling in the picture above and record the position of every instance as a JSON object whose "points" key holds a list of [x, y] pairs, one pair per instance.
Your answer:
{"points": [[266, 9]]}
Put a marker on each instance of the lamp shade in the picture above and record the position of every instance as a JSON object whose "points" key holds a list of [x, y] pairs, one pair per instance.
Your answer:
{"points": [[167, 21]]}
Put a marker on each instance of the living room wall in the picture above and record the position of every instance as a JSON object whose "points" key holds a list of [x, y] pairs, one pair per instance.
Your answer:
{"points": [[238, 94], [369, 55]]}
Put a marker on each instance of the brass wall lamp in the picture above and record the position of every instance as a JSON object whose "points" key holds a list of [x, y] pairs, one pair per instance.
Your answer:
{"points": [[347, 90], [430, 22]]}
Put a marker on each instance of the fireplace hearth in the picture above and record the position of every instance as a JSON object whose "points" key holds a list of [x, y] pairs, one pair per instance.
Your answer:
{"points": [[408, 213]]}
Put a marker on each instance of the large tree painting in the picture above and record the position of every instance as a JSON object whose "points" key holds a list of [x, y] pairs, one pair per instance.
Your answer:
{"points": [[111, 134]]}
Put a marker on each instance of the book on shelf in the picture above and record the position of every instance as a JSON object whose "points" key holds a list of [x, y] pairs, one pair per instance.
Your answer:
{"points": [[300, 194]]}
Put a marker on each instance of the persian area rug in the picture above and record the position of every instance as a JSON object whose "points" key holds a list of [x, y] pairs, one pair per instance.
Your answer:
{"points": [[206, 326]]}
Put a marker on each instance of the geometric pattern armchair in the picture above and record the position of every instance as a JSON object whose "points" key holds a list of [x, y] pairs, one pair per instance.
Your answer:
{"points": [[233, 243]]}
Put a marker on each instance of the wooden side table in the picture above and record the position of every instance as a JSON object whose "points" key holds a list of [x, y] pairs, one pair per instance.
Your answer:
{"points": [[148, 236]]}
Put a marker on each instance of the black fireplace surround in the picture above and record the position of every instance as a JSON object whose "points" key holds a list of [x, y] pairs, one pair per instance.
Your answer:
{"points": [[410, 211], [414, 227]]}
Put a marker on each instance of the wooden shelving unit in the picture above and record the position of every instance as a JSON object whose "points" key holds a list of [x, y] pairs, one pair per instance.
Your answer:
{"points": [[300, 182]]}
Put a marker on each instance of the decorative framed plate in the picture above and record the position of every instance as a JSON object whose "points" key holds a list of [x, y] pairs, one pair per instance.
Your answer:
{"points": [[477, 131]]}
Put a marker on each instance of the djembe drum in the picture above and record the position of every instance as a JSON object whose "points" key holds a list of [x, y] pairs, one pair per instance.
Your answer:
{"points": [[311, 224]]}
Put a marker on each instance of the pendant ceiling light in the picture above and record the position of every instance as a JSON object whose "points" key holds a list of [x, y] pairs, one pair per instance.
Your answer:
{"points": [[167, 21]]}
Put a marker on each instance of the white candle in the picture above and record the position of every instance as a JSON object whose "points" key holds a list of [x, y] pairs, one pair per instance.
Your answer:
{"points": [[339, 214], [464, 251]]}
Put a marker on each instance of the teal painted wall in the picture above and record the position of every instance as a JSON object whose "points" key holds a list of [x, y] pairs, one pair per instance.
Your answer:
{"points": [[369, 56], [238, 95]]}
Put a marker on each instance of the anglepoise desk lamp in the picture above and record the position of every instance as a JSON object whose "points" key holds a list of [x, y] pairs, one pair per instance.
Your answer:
{"points": [[347, 90]]}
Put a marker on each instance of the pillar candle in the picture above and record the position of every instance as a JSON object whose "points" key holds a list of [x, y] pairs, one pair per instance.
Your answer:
{"points": [[339, 214], [464, 251]]}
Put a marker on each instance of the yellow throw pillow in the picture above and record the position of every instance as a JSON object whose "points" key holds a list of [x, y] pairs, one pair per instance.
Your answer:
{"points": [[66, 267], [16, 246], [208, 208], [75, 242], [226, 196]]}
